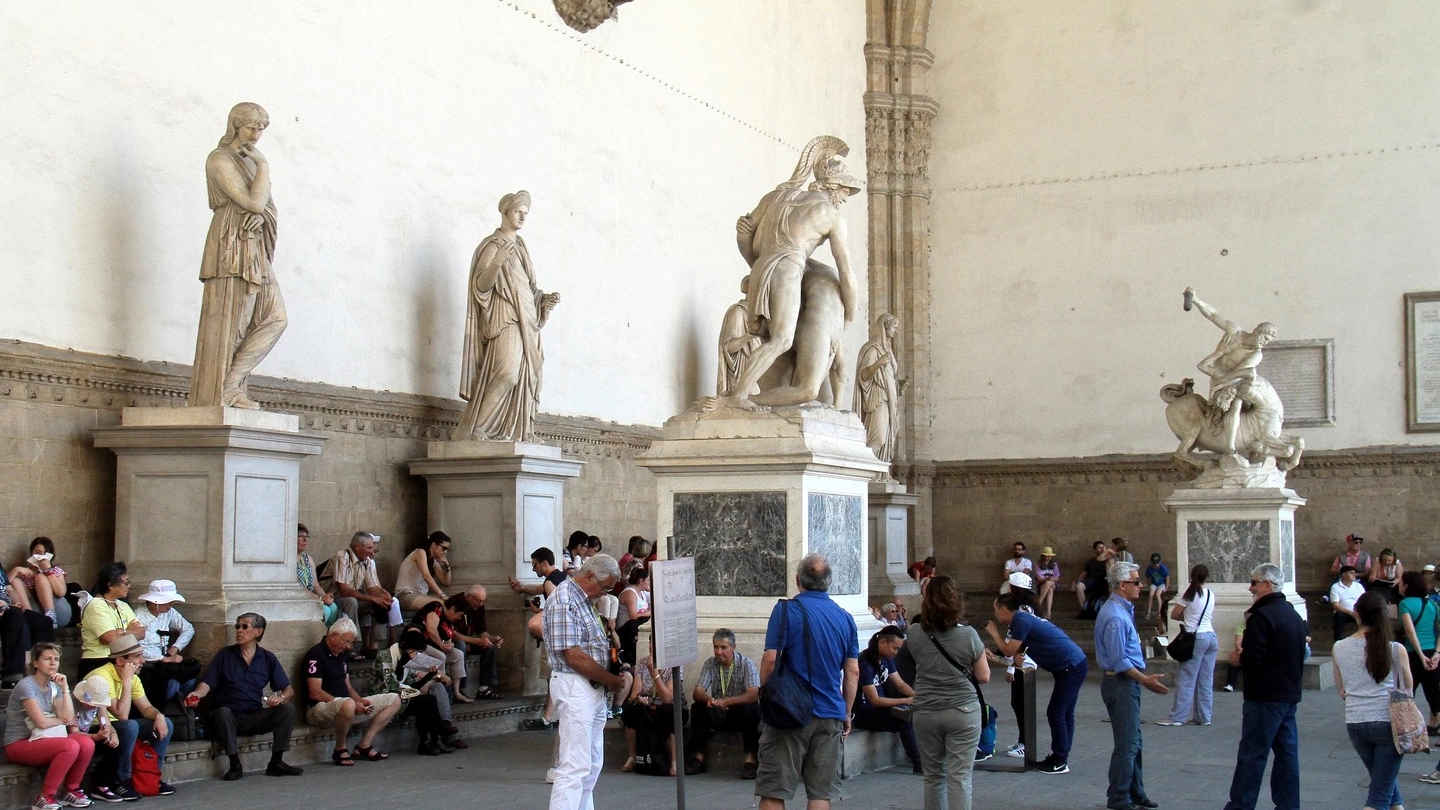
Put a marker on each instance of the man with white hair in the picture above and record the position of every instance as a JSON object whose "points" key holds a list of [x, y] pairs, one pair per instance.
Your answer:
{"points": [[357, 586], [335, 702], [1118, 652], [579, 654]]}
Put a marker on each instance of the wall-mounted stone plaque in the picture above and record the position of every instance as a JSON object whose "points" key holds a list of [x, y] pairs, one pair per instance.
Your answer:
{"points": [[1303, 373], [737, 540]]}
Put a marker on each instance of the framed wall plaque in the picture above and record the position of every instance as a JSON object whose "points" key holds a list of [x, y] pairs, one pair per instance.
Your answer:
{"points": [[1303, 373], [1422, 361]]}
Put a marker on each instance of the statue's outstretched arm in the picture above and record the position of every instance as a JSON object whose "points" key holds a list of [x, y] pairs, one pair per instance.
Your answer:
{"points": [[1210, 313]]}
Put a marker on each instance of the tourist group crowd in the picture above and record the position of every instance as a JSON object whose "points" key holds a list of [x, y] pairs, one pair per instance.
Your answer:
{"points": [[138, 690]]}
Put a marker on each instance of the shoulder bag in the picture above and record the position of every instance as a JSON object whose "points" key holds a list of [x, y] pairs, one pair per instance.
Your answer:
{"points": [[1182, 647], [785, 699], [1407, 724]]}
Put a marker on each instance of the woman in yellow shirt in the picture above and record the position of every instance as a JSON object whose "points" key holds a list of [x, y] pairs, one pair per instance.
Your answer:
{"points": [[105, 617]]}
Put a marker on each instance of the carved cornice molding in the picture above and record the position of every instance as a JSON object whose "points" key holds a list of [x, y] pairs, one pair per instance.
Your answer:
{"points": [[1352, 463], [29, 371]]}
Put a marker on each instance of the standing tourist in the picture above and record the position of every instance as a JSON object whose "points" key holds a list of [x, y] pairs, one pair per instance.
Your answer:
{"points": [[949, 663], [830, 666], [579, 655], [241, 314], [1272, 661], [1055, 653], [1367, 666], [1195, 684], [1117, 651], [1417, 619]]}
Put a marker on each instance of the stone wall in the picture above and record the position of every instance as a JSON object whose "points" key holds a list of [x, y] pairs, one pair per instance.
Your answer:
{"points": [[54, 482], [1389, 495]]}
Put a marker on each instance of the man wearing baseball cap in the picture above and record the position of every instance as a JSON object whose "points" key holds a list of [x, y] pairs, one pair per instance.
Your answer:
{"points": [[127, 700]]}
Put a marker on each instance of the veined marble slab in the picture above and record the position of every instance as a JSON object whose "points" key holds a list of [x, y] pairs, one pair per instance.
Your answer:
{"points": [[738, 540], [835, 532]]}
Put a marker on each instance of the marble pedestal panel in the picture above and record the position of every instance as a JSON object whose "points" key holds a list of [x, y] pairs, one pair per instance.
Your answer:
{"points": [[209, 497], [1231, 531], [748, 494], [890, 506], [498, 501]]}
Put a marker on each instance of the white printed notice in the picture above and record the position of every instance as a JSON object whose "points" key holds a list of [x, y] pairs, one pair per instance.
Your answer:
{"points": [[672, 612], [1426, 348]]}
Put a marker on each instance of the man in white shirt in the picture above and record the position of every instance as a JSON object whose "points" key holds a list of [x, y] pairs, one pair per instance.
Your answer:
{"points": [[166, 671], [1342, 598], [1017, 563]]}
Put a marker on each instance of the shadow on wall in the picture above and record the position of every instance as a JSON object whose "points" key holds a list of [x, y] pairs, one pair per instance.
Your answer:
{"points": [[127, 285], [690, 358], [435, 347]]}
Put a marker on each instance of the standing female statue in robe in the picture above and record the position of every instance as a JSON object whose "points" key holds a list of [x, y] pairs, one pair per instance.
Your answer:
{"points": [[877, 389], [241, 314], [500, 371]]}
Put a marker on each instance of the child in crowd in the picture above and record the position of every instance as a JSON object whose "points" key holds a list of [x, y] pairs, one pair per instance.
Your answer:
{"points": [[1158, 575]]}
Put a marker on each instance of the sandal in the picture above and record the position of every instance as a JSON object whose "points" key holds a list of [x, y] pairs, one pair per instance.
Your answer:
{"points": [[342, 757], [488, 694], [460, 698], [369, 754], [629, 766]]}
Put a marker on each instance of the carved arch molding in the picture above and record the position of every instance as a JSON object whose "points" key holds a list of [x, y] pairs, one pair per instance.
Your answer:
{"points": [[898, 115]]}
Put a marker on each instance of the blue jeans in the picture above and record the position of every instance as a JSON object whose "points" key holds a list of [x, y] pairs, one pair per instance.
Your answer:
{"points": [[1266, 726], [1376, 748], [1061, 709], [1195, 684], [128, 731], [1122, 703]]}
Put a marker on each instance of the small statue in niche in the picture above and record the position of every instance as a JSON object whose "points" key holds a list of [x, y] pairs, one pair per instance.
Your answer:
{"points": [[736, 343], [587, 15], [1243, 416], [500, 370], [878, 388], [241, 312], [798, 307]]}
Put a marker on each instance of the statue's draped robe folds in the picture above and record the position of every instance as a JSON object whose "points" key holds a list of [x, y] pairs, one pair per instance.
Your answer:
{"points": [[502, 341], [734, 326], [241, 313], [877, 400], [774, 223]]}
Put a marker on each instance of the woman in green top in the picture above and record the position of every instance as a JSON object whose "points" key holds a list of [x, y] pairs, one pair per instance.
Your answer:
{"points": [[106, 616], [1417, 617], [946, 705]]}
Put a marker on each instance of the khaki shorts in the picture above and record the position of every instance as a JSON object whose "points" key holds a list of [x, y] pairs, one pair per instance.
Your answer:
{"points": [[788, 756], [323, 714]]}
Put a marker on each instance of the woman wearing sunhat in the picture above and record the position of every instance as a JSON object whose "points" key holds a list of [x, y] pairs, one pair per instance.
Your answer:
{"points": [[1047, 574], [167, 672]]}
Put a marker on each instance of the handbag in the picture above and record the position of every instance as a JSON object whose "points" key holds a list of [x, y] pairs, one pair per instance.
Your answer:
{"points": [[1182, 647], [785, 700], [1407, 724]]}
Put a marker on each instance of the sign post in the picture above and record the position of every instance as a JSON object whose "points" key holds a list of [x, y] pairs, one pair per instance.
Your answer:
{"points": [[674, 623]]}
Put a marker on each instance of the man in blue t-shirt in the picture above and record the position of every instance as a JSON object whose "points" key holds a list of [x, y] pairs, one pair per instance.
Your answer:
{"points": [[812, 751], [1054, 652]]}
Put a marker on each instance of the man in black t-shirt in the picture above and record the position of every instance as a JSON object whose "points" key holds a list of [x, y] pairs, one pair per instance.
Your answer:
{"points": [[334, 702]]}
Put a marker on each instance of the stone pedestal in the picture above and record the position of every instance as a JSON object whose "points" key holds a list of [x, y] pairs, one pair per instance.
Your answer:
{"points": [[890, 506], [209, 497], [498, 501], [748, 494], [1230, 531]]}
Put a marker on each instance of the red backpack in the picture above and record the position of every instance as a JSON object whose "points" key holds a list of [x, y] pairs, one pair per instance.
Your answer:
{"points": [[145, 770]]}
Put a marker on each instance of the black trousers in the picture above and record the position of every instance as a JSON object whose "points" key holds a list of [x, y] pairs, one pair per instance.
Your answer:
{"points": [[19, 631], [705, 721], [227, 727]]}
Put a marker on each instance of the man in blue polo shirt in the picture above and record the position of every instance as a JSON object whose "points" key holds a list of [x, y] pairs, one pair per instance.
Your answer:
{"points": [[1117, 651], [811, 752], [238, 674], [1055, 653]]}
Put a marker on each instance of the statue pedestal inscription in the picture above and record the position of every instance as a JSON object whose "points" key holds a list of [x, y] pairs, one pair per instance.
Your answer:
{"points": [[747, 494], [209, 497], [1231, 531], [498, 501], [890, 506]]}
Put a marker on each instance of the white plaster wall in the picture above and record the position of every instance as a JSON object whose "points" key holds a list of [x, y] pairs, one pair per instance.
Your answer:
{"points": [[395, 129], [1091, 159]]}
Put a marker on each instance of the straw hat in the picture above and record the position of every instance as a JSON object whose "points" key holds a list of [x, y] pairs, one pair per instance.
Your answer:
{"points": [[93, 691], [123, 645]]}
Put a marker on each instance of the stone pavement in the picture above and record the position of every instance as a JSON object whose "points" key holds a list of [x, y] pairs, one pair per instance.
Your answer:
{"points": [[1187, 768]]}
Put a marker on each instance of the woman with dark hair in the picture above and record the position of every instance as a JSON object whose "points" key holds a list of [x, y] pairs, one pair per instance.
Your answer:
{"points": [[634, 611], [881, 690], [1417, 618], [1367, 666], [1195, 684], [39, 584], [423, 572], [1386, 575], [106, 616], [949, 665]]}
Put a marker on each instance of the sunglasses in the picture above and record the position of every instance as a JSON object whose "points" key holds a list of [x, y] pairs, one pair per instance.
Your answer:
{"points": [[244, 626]]}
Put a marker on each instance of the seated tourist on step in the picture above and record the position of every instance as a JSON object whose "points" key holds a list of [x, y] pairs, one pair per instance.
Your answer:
{"points": [[650, 707], [436, 621], [20, 629], [41, 732], [727, 698], [309, 578], [413, 666], [424, 573], [473, 637], [334, 702], [134, 718], [1090, 586], [38, 583], [881, 690], [106, 616], [417, 699], [357, 586], [167, 672], [236, 681]]}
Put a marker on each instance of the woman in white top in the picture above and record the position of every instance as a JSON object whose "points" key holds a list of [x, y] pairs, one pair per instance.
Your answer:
{"points": [[1367, 666], [634, 611], [423, 572], [1195, 684]]}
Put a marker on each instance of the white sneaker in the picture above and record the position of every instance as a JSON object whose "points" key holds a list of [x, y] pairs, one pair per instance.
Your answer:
{"points": [[550, 776], [42, 803], [1017, 750], [1168, 723], [1432, 778], [1227, 688]]}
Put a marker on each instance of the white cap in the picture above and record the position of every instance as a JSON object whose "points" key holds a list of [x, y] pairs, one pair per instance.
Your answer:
{"points": [[1020, 579]]}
